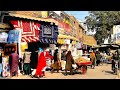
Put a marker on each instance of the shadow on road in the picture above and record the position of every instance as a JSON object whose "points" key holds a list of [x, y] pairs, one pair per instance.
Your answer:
{"points": [[68, 73], [109, 72]]}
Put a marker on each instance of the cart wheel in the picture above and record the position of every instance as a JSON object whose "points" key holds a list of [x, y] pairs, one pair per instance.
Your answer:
{"points": [[83, 69]]}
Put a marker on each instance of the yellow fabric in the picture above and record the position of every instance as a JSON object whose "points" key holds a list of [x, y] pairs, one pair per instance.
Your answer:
{"points": [[24, 46]]}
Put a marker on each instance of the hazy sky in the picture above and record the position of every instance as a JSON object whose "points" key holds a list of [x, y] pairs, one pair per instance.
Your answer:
{"points": [[80, 15]]}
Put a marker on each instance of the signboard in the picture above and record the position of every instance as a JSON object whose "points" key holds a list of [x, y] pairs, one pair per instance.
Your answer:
{"points": [[13, 36], [3, 37], [44, 14], [47, 31], [9, 48]]}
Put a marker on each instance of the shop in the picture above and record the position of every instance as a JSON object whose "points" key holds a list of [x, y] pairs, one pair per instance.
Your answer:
{"points": [[66, 42], [88, 43], [4, 29], [34, 34]]}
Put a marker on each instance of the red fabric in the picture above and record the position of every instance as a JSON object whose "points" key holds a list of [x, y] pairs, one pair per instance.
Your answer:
{"points": [[85, 63], [48, 55], [30, 30], [41, 64]]}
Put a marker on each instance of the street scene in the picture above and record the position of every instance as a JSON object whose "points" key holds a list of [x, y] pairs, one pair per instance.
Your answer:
{"points": [[59, 45]]}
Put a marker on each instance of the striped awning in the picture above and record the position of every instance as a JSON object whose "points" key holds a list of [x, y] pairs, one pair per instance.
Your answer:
{"points": [[33, 18], [30, 30]]}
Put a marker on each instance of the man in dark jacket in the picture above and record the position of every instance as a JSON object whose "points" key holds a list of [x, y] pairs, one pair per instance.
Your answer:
{"points": [[34, 59]]}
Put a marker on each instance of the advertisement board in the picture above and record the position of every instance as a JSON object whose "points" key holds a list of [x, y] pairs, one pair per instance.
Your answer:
{"points": [[3, 37], [13, 36]]}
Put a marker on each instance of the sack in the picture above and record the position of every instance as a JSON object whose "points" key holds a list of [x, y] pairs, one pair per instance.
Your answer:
{"points": [[74, 66]]}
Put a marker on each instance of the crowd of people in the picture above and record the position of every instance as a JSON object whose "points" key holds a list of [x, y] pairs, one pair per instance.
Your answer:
{"points": [[98, 58], [34, 63]]}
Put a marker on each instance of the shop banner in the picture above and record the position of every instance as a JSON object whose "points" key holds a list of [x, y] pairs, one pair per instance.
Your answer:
{"points": [[30, 30], [13, 36], [3, 37], [67, 41], [47, 31], [48, 34], [44, 14], [67, 27], [9, 48]]}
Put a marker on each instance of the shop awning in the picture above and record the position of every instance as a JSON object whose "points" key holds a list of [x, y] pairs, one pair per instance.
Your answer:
{"points": [[89, 40], [67, 37], [3, 25], [33, 18]]}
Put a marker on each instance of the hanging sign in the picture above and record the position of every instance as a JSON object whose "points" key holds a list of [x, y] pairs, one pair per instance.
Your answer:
{"points": [[9, 48], [13, 36], [3, 37], [44, 14]]}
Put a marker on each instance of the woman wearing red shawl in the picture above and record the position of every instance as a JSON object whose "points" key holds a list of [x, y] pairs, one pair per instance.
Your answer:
{"points": [[41, 65]]}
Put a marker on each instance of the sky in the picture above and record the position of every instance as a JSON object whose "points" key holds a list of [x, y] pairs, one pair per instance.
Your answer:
{"points": [[80, 15]]}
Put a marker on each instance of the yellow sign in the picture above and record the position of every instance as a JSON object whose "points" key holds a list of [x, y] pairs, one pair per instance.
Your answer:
{"points": [[44, 14]]}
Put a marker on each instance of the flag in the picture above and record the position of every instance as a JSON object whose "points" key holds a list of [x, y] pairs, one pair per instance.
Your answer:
{"points": [[30, 30]]}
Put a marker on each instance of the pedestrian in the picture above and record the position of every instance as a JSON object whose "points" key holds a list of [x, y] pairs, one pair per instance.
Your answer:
{"points": [[63, 59], [41, 66], [115, 57], [20, 65], [13, 62], [92, 59], [56, 64], [1, 61], [34, 59], [104, 55], [98, 58], [69, 62], [26, 62]]}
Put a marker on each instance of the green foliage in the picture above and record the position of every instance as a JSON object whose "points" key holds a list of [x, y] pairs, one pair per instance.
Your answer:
{"points": [[102, 22]]}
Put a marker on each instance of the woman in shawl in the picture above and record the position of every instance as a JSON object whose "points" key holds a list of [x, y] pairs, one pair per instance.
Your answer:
{"points": [[13, 62], [92, 59], [98, 58], [40, 71], [56, 64], [69, 62]]}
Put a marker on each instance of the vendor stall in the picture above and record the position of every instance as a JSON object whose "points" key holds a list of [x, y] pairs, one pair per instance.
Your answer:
{"points": [[82, 64]]}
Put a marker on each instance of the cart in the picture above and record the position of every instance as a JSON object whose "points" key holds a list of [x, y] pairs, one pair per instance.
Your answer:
{"points": [[82, 66]]}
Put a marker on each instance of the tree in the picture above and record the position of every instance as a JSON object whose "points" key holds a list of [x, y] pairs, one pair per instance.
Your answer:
{"points": [[102, 22]]}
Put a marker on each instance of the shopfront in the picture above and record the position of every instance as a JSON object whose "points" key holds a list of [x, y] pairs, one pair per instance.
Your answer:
{"points": [[35, 34]]}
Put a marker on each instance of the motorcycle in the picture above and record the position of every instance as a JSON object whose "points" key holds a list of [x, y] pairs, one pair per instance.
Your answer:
{"points": [[115, 66]]}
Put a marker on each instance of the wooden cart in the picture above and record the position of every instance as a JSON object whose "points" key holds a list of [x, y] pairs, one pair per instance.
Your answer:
{"points": [[82, 66]]}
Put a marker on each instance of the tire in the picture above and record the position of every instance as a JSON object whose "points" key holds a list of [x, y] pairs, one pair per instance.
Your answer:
{"points": [[83, 69]]}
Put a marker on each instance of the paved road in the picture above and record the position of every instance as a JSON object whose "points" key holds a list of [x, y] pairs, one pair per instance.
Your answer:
{"points": [[100, 72]]}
